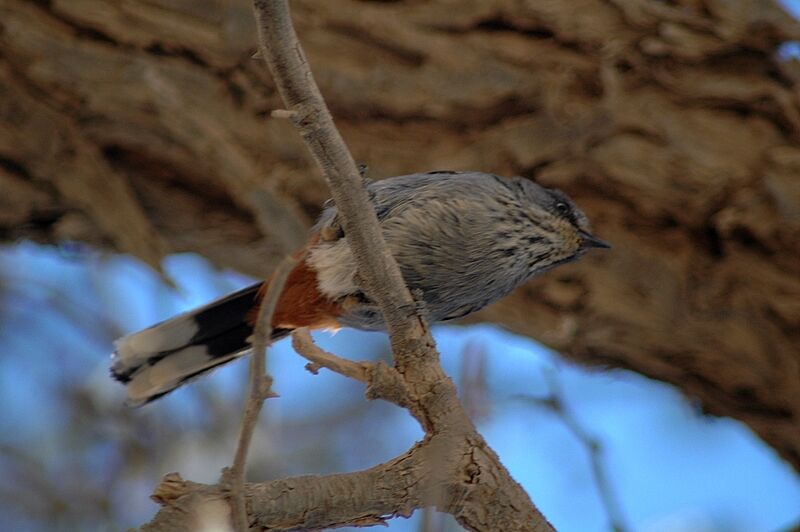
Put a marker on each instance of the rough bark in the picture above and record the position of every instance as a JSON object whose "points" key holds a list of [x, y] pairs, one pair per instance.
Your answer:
{"points": [[142, 127], [323, 502]]}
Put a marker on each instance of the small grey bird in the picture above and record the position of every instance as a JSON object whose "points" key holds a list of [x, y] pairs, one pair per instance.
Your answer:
{"points": [[462, 239]]}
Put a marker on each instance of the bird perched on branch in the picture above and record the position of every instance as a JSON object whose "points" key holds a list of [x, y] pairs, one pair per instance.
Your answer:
{"points": [[461, 239]]}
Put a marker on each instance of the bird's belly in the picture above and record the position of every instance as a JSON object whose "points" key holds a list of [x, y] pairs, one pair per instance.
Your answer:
{"points": [[446, 293]]}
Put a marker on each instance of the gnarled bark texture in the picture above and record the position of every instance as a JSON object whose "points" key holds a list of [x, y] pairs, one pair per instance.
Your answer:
{"points": [[142, 126]]}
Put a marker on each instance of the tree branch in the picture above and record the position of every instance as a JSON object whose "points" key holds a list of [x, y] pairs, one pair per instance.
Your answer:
{"points": [[306, 108], [556, 403], [260, 389], [394, 488], [319, 358], [453, 469], [382, 381], [595, 450]]}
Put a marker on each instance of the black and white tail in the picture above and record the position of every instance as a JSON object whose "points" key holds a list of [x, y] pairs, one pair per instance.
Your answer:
{"points": [[155, 361]]}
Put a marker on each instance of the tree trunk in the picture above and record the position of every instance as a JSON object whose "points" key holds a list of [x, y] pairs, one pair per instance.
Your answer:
{"points": [[143, 127]]}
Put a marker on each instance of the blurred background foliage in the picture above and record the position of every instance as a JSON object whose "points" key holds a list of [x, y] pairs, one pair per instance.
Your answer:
{"points": [[73, 457]]}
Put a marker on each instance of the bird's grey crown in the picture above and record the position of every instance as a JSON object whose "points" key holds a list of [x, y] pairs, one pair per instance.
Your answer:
{"points": [[463, 239]]}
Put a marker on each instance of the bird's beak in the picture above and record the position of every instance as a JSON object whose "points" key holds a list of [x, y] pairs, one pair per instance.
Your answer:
{"points": [[590, 241]]}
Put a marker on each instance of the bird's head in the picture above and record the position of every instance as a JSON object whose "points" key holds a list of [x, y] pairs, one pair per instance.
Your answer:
{"points": [[554, 229]]}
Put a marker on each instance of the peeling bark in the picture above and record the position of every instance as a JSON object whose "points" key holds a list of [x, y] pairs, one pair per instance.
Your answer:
{"points": [[142, 127]]}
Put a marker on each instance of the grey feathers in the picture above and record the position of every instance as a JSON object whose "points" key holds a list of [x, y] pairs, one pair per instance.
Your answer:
{"points": [[463, 239]]}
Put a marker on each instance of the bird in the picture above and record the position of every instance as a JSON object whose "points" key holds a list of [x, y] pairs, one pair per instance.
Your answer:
{"points": [[462, 240]]}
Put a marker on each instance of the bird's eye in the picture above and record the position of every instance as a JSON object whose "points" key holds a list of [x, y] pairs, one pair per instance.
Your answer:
{"points": [[562, 207]]}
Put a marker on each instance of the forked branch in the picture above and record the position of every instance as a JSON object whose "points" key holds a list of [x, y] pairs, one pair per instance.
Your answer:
{"points": [[453, 469]]}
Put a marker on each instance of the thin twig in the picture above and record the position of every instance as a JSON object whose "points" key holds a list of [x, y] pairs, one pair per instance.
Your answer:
{"points": [[283, 113], [595, 453], [259, 390], [555, 402], [319, 358], [383, 382]]}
